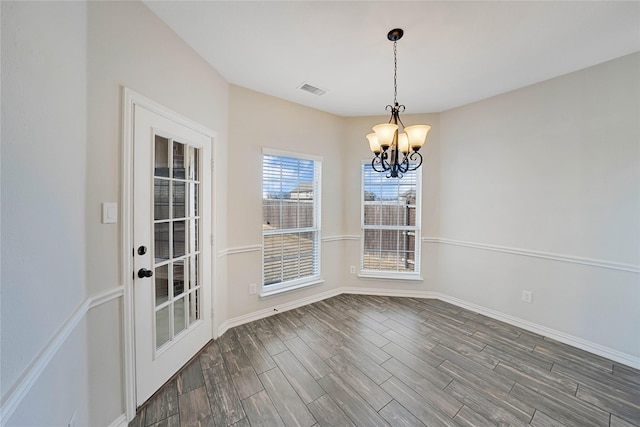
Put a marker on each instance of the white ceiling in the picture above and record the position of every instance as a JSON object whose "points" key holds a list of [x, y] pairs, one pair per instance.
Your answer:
{"points": [[452, 53]]}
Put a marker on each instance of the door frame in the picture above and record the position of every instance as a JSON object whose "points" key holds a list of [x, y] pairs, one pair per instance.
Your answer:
{"points": [[130, 99]]}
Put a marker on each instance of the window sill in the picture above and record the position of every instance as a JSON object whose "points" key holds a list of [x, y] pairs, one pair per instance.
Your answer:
{"points": [[382, 276], [266, 294]]}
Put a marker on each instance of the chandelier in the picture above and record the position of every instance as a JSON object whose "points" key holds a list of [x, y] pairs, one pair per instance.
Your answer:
{"points": [[396, 152]]}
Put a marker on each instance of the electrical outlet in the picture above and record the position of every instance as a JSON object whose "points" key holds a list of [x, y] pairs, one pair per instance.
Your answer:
{"points": [[252, 289], [527, 296], [352, 269]]}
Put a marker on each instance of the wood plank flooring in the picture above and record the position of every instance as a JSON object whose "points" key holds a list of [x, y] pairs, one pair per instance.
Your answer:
{"points": [[356, 360]]}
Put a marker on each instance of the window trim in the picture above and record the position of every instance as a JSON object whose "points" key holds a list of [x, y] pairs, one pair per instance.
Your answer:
{"points": [[385, 274], [280, 287], [274, 292]]}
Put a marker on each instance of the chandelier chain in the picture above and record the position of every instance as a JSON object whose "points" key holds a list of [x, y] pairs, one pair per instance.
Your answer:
{"points": [[395, 73]]}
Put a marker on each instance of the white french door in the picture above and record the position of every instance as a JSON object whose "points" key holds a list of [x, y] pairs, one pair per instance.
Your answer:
{"points": [[172, 277]]}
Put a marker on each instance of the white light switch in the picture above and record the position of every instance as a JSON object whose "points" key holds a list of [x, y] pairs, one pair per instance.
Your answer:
{"points": [[109, 213]]}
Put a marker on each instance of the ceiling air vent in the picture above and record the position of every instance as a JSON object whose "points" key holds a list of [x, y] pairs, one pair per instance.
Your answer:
{"points": [[312, 89]]}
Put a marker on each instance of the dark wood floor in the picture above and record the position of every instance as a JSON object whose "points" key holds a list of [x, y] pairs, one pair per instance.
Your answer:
{"points": [[375, 361]]}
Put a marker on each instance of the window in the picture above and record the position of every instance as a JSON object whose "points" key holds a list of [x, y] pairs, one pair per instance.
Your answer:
{"points": [[290, 220], [390, 224]]}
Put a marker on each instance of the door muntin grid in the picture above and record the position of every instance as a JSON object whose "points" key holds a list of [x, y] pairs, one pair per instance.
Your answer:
{"points": [[176, 246]]}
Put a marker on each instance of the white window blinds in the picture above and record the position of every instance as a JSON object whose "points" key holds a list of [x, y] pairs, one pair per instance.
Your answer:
{"points": [[290, 220]]}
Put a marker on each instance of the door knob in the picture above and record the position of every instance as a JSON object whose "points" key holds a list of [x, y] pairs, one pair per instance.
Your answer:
{"points": [[143, 272]]}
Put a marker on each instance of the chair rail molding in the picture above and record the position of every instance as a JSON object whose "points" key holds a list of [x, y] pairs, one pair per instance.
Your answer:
{"points": [[613, 265], [14, 396], [239, 250]]}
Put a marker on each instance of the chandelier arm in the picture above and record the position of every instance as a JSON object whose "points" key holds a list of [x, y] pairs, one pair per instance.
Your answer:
{"points": [[416, 157], [381, 162], [395, 174], [404, 165], [395, 113], [389, 108], [392, 174], [374, 162]]}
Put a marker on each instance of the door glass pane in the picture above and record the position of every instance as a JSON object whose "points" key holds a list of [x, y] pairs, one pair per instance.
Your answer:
{"points": [[179, 316], [192, 235], [162, 284], [193, 199], [163, 332], [193, 272], [193, 172], [178, 160], [178, 278], [161, 156], [161, 241], [178, 199], [161, 199], [196, 236], [194, 312], [187, 273], [179, 247]]}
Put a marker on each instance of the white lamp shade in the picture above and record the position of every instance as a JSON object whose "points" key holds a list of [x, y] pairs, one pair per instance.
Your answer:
{"points": [[373, 143], [403, 143], [385, 133], [417, 135]]}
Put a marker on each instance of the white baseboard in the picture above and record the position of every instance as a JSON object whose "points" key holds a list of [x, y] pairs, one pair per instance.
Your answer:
{"points": [[390, 292], [563, 337], [591, 347], [261, 314]]}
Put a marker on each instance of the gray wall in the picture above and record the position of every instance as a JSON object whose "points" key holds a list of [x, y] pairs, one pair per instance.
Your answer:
{"points": [[44, 148]]}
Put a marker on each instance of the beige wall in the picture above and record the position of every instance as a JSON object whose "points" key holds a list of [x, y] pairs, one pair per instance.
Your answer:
{"points": [[257, 122], [281, 125], [552, 168], [129, 46]]}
